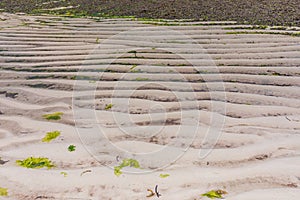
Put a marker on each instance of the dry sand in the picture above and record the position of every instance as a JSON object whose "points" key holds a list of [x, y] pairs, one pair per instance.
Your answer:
{"points": [[237, 94]]}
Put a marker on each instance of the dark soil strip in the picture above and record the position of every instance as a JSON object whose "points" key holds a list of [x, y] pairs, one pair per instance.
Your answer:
{"points": [[268, 12]]}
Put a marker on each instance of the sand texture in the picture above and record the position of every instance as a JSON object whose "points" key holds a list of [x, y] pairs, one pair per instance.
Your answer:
{"points": [[177, 92]]}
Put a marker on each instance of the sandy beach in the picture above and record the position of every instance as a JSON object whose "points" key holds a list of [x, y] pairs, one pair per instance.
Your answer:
{"points": [[214, 105]]}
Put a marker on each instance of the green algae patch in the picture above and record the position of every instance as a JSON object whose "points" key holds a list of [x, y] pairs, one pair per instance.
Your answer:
{"points": [[51, 136], [53, 116], [108, 106], [3, 192], [164, 175], [214, 194], [35, 163], [72, 148], [128, 162]]}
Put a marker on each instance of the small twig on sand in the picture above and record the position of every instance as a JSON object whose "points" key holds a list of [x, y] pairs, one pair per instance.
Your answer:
{"points": [[86, 171], [151, 193], [156, 191]]}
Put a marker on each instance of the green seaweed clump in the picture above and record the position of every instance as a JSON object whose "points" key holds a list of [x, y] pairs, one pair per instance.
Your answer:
{"points": [[51, 136], [53, 116], [164, 175], [3, 191], [35, 163], [128, 162], [108, 106], [64, 173], [72, 148], [215, 194]]}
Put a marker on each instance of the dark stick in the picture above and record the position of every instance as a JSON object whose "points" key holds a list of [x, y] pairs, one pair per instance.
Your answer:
{"points": [[156, 191]]}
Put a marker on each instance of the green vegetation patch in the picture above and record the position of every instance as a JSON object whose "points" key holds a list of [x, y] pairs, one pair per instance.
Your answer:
{"points": [[108, 106], [65, 174], [133, 70], [3, 191], [215, 194], [133, 67], [260, 32], [72, 148], [259, 27], [164, 175], [72, 13], [35, 163], [128, 162], [53, 116], [51, 136]]}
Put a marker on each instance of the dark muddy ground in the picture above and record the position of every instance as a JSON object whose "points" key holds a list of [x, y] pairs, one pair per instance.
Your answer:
{"points": [[268, 12]]}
